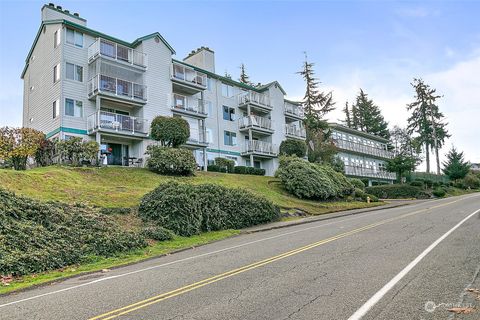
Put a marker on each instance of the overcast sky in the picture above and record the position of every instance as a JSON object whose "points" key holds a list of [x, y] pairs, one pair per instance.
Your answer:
{"points": [[379, 46]]}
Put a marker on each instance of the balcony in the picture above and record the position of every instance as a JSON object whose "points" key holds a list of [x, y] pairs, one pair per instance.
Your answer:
{"points": [[369, 173], [295, 132], [293, 112], [117, 89], [362, 149], [187, 80], [117, 123], [256, 123], [197, 139], [259, 148], [256, 100], [189, 106], [117, 52]]}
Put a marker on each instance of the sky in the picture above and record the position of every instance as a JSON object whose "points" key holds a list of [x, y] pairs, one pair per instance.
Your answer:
{"points": [[379, 46]]}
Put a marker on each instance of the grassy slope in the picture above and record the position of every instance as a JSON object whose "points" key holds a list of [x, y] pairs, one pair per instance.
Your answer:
{"points": [[124, 187]]}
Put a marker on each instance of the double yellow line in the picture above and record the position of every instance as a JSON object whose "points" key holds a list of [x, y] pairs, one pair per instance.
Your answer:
{"points": [[164, 296]]}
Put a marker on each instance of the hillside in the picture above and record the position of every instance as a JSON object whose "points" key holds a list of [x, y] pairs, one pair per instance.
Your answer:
{"points": [[124, 187]]}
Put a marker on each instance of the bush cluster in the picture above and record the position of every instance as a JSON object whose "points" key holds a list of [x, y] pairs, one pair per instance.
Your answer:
{"points": [[36, 237], [237, 170], [357, 183], [190, 209], [225, 164], [439, 192], [397, 191], [157, 233], [292, 147], [312, 181], [76, 151], [417, 183], [362, 195], [171, 161]]}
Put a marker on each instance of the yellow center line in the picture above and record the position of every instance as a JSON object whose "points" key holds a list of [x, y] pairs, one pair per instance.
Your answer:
{"points": [[158, 298]]}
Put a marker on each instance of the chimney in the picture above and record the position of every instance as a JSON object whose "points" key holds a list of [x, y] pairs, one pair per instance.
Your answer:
{"points": [[52, 12], [203, 58]]}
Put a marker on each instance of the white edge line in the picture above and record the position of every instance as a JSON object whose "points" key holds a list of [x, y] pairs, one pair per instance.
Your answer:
{"points": [[362, 311], [204, 254]]}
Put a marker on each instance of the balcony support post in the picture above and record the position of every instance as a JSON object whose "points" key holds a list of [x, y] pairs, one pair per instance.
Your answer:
{"points": [[205, 160]]}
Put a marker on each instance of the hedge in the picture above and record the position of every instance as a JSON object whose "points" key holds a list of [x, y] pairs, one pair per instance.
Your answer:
{"points": [[190, 209], [171, 161], [157, 233], [249, 170], [224, 163], [36, 237], [216, 168], [397, 191], [312, 181]]}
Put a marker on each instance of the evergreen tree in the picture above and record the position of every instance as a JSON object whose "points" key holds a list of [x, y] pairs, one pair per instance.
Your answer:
{"points": [[427, 121], [348, 119], [455, 167], [368, 117], [406, 153], [244, 78]]}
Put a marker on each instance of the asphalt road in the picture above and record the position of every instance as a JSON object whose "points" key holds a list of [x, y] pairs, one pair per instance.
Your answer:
{"points": [[411, 262]]}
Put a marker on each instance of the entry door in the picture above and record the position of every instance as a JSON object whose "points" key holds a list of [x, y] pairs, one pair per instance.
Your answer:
{"points": [[115, 156]]}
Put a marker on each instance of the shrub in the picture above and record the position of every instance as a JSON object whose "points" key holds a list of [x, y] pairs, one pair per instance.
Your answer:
{"points": [[417, 183], [312, 181], [357, 183], [171, 161], [439, 193], [292, 147], [428, 183], [249, 170], [460, 184], [397, 191], [359, 193], [18, 144], [36, 237], [215, 168], [170, 131], [115, 210], [190, 209], [226, 164], [157, 233], [471, 181], [74, 150], [45, 153]]}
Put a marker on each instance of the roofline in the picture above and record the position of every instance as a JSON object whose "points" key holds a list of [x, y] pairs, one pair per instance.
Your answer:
{"points": [[358, 132], [229, 80], [62, 11], [98, 34], [298, 103]]}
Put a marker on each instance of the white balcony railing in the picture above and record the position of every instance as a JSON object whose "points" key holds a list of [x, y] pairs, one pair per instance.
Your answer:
{"points": [[254, 97], [197, 136], [112, 50], [118, 87], [293, 110], [295, 130], [255, 122], [361, 148], [116, 122], [369, 173], [260, 147], [188, 75], [185, 103]]}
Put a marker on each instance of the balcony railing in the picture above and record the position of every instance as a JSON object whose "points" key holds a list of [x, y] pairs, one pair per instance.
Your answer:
{"points": [[260, 147], [255, 97], [116, 122], [255, 122], [361, 148], [197, 136], [296, 131], [118, 87], [105, 48], [369, 172], [293, 110], [188, 75], [191, 105]]}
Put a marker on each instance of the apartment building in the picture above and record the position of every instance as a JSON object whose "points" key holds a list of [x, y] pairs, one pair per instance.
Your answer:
{"points": [[81, 82], [363, 154]]}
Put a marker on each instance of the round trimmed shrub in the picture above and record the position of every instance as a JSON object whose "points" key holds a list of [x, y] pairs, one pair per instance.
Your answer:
{"points": [[170, 131], [417, 183], [171, 161], [292, 147], [439, 193], [173, 206], [357, 183]]}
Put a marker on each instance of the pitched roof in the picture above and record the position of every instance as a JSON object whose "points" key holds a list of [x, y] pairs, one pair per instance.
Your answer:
{"points": [[341, 127]]}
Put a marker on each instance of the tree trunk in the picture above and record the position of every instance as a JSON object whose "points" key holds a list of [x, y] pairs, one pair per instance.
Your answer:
{"points": [[427, 156], [438, 160]]}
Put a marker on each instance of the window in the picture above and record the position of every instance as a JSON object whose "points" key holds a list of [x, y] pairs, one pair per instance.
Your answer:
{"points": [[74, 72], [209, 84], [229, 138], [73, 108], [228, 113], [56, 109], [227, 90], [75, 37], [56, 73], [209, 135], [209, 108], [56, 38]]}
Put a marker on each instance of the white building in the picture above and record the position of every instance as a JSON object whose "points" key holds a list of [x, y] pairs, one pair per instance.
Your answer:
{"points": [[363, 154], [80, 82]]}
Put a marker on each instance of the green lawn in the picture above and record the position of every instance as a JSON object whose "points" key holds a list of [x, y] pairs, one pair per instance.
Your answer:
{"points": [[124, 187]]}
